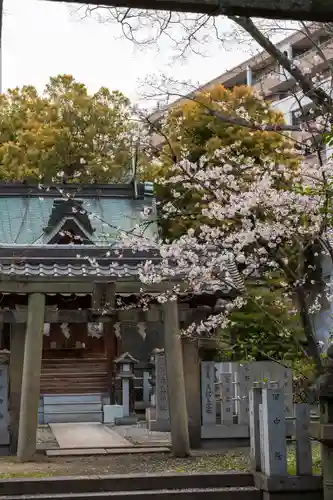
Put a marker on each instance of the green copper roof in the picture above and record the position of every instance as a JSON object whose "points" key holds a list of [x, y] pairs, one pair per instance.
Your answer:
{"points": [[23, 219]]}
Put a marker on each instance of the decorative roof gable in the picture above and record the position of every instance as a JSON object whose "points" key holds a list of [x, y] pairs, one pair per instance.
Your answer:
{"points": [[65, 209], [68, 222]]}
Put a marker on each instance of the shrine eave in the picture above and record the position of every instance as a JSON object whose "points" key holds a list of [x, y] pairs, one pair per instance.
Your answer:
{"points": [[79, 285], [73, 253]]}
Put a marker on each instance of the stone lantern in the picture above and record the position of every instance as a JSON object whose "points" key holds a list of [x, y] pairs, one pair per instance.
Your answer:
{"points": [[125, 371]]}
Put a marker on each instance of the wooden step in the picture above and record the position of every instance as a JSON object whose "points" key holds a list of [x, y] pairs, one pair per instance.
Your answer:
{"points": [[68, 370], [74, 375], [70, 379], [74, 360]]}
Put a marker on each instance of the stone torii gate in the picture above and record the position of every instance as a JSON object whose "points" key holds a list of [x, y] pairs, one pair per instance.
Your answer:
{"points": [[27, 341], [296, 10]]}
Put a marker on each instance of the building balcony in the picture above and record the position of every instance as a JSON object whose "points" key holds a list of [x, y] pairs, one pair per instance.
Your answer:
{"points": [[277, 79]]}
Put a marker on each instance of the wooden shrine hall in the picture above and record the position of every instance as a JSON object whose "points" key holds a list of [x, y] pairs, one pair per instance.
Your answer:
{"points": [[62, 271]]}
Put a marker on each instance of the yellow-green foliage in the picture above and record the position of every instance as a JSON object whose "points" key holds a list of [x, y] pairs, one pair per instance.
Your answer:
{"points": [[64, 129]]}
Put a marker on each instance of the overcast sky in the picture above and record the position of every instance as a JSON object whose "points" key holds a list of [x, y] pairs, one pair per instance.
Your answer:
{"points": [[42, 39]]}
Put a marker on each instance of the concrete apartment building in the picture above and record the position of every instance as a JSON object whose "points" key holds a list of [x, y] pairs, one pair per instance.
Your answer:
{"points": [[264, 74]]}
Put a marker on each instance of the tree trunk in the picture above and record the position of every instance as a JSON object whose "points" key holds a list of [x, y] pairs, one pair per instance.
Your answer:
{"points": [[313, 350]]}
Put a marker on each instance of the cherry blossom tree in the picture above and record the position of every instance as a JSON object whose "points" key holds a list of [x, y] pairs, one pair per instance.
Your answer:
{"points": [[259, 218]]}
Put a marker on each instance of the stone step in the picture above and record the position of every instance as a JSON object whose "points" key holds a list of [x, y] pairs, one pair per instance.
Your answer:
{"points": [[80, 452], [82, 389], [59, 417], [124, 482], [72, 408], [247, 493]]}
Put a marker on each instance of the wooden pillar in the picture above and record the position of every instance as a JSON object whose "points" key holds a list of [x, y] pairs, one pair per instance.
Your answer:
{"points": [[31, 377], [176, 382], [191, 363], [17, 341]]}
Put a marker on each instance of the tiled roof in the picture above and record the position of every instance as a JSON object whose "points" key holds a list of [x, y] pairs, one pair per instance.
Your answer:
{"points": [[25, 212], [111, 270]]}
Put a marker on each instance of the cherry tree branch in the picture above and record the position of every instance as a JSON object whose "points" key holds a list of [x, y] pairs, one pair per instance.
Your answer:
{"points": [[317, 95]]}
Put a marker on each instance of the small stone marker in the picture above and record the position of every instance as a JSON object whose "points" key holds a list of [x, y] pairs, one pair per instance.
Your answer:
{"points": [[208, 400], [273, 425], [303, 441]]}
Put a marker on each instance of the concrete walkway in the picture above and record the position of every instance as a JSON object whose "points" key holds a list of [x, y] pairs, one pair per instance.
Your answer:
{"points": [[86, 435]]}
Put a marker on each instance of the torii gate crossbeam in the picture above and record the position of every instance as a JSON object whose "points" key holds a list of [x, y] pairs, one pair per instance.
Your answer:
{"points": [[298, 10]]}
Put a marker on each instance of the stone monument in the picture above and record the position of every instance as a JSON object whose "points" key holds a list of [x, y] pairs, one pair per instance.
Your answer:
{"points": [[161, 422]]}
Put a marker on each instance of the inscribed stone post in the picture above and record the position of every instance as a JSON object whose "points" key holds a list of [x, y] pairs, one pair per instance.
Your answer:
{"points": [[303, 441], [208, 400], [274, 433], [227, 399], [254, 420], [146, 387], [288, 391], [4, 414], [242, 393], [162, 401]]}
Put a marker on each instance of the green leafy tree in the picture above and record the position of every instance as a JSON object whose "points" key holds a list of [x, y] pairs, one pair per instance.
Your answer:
{"points": [[266, 327], [65, 132]]}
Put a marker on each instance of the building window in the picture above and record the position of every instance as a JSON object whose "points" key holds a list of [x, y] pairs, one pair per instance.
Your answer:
{"points": [[325, 38]]}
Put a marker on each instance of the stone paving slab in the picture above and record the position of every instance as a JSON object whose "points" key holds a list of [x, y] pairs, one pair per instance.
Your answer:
{"points": [[140, 435], [75, 453], [87, 435], [156, 449], [103, 451]]}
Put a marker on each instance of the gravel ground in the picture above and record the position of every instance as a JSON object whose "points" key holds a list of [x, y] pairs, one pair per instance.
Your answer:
{"points": [[124, 464], [201, 461]]}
